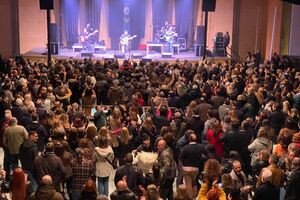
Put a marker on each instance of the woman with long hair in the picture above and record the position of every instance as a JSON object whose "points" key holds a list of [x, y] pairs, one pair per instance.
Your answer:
{"points": [[125, 145], [18, 185], [103, 157], [209, 189], [89, 191], [213, 137]]}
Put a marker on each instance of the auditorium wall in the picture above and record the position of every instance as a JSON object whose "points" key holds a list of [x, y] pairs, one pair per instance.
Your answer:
{"points": [[6, 29]]}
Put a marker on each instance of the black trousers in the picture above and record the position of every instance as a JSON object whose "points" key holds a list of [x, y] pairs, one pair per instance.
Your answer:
{"points": [[166, 189]]}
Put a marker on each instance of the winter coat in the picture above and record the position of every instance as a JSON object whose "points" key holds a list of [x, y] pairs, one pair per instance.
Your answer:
{"points": [[14, 136], [204, 190], [46, 192], [28, 152], [115, 95], [293, 185], [256, 146], [167, 163], [103, 167]]}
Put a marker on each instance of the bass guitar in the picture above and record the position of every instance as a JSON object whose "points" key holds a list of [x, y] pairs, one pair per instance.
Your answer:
{"points": [[125, 40], [84, 38]]}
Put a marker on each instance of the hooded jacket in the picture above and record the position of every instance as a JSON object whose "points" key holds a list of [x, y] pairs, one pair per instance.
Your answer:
{"points": [[103, 167], [115, 94], [28, 152]]}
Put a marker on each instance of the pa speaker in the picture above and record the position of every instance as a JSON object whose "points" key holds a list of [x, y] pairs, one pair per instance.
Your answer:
{"points": [[166, 55], [54, 33], [209, 5], [199, 49], [145, 60], [46, 4], [119, 56], [200, 35], [54, 48]]}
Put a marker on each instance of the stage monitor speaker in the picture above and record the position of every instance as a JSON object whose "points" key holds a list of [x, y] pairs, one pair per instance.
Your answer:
{"points": [[200, 35], [199, 49], [54, 33], [145, 60], [166, 55], [86, 54], [46, 4], [209, 5], [119, 56], [137, 56], [54, 48]]}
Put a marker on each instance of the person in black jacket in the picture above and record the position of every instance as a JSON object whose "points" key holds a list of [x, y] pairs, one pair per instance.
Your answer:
{"points": [[28, 152], [192, 159], [293, 183], [134, 176], [266, 190], [122, 192], [40, 130]]}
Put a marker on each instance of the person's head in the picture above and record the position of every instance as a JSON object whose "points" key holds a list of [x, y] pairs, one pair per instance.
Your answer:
{"points": [[126, 32], [296, 162], [161, 145], [103, 142], [146, 140], [181, 193], [273, 159], [212, 171], [103, 131], [226, 181], [83, 143], [121, 185], [213, 194], [125, 135], [33, 136], [262, 133], [13, 121], [46, 180], [152, 192], [18, 184], [91, 132], [90, 186], [237, 167], [193, 137], [266, 175], [128, 158], [264, 155]]}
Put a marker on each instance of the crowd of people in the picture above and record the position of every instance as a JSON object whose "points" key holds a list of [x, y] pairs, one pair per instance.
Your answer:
{"points": [[210, 131]]}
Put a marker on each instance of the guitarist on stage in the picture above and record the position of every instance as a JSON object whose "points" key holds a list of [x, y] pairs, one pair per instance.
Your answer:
{"points": [[86, 36], [124, 41]]}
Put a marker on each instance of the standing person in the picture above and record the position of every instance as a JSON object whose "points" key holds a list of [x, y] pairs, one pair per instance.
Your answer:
{"points": [[122, 192], [168, 169], [134, 176], [89, 191], [266, 190], [46, 191], [170, 37], [83, 169], [293, 183], [192, 161], [14, 136], [49, 164], [18, 185], [226, 41], [103, 156], [125, 145], [28, 152], [124, 41]]}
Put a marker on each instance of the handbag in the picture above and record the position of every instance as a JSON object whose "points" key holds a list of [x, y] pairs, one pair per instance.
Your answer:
{"points": [[113, 163]]}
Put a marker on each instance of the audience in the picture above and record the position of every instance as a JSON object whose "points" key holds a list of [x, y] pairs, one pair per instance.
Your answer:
{"points": [[74, 120]]}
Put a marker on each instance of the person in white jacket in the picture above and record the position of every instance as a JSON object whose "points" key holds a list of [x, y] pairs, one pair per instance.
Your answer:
{"points": [[103, 157]]}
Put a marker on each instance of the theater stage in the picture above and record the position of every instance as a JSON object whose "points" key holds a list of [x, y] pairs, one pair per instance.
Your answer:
{"points": [[41, 54]]}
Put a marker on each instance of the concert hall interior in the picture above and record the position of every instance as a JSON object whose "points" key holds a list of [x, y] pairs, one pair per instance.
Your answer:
{"points": [[251, 26]]}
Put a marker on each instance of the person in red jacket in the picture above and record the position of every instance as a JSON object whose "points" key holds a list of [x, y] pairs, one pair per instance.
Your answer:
{"points": [[213, 137]]}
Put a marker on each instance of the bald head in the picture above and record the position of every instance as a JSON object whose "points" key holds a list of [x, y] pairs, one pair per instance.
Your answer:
{"points": [[193, 138], [161, 145], [47, 180], [121, 185]]}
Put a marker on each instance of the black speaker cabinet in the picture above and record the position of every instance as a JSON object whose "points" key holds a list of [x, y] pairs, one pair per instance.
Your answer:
{"points": [[46, 4], [209, 5], [200, 35], [86, 54], [199, 49], [54, 48]]}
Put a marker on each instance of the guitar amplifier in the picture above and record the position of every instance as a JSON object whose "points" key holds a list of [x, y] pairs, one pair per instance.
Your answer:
{"points": [[182, 43]]}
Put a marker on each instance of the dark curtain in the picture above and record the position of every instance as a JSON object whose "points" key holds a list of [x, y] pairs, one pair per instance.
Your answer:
{"points": [[184, 11], [70, 10], [160, 12], [137, 21], [115, 22], [93, 13]]}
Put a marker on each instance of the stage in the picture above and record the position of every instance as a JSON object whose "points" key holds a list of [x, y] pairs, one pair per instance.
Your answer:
{"points": [[152, 55]]}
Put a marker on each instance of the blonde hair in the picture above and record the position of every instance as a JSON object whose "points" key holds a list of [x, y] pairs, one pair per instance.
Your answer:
{"points": [[125, 135]]}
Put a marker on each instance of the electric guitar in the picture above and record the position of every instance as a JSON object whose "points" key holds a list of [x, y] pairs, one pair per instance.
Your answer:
{"points": [[125, 40], [84, 38]]}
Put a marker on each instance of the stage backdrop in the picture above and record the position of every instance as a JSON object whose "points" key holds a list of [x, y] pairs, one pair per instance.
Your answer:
{"points": [[72, 15]]}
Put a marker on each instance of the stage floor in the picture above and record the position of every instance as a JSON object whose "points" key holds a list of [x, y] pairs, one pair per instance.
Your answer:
{"points": [[41, 54]]}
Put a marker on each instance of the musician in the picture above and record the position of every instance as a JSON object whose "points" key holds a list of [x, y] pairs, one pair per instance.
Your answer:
{"points": [[226, 41], [163, 31], [86, 36], [170, 38], [124, 41]]}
